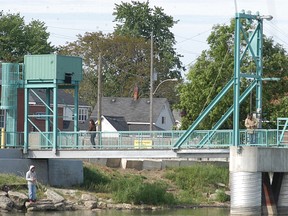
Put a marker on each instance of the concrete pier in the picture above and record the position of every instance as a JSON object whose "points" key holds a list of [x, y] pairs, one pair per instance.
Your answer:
{"points": [[264, 172]]}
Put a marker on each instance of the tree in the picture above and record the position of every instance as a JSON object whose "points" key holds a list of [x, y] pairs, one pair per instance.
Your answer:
{"points": [[214, 68], [18, 39], [138, 20], [125, 63]]}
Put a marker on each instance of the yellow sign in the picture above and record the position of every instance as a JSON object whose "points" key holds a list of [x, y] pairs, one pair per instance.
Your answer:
{"points": [[143, 144]]}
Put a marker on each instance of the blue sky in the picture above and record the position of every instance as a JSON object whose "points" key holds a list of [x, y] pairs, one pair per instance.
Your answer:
{"points": [[67, 18]]}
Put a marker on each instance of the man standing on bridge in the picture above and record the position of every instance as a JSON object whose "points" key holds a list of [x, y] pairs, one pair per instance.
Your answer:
{"points": [[251, 124]]}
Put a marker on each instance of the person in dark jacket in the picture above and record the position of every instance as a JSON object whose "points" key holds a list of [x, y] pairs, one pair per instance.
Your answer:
{"points": [[92, 129]]}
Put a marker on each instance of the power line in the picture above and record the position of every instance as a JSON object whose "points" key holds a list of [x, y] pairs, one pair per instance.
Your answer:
{"points": [[80, 29], [277, 29]]}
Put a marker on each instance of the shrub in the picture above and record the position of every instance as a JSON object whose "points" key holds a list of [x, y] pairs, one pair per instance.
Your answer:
{"points": [[95, 180], [221, 196], [134, 190], [198, 182]]}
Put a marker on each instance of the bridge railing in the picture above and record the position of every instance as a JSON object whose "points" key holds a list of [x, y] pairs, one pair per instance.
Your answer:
{"points": [[142, 139]]}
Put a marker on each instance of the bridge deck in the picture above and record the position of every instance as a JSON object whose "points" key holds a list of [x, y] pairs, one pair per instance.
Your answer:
{"points": [[130, 154]]}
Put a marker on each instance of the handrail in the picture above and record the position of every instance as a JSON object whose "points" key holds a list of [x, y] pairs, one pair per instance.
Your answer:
{"points": [[141, 140]]}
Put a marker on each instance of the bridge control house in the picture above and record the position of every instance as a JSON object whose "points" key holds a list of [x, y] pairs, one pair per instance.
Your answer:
{"points": [[33, 96]]}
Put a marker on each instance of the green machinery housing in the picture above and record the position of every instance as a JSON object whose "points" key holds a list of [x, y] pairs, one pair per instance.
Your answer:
{"points": [[48, 72]]}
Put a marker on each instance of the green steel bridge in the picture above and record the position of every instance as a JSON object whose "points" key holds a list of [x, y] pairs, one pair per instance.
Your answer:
{"points": [[52, 72], [145, 144]]}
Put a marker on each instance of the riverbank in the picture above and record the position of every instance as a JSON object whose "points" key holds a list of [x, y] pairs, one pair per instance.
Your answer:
{"points": [[106, 188]]}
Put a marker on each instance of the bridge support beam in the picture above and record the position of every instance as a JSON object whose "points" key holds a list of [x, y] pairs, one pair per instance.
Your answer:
{"points": [[258, 180]]}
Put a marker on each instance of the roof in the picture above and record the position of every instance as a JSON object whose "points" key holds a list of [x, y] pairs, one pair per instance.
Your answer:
{"points": [[118, 122], [69, 125], [177, 115], [143, 127], [132, 110], [63, 97]]}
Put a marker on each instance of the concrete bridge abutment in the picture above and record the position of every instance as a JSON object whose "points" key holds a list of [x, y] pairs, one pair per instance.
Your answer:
{"points": [[258, 180]]}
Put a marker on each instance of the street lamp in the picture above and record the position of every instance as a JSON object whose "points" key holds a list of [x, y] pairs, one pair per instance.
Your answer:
{"points": [[172, 80], [266, 17], [151, 98]]}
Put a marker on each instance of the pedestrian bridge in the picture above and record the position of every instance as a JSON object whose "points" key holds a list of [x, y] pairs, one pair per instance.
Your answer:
{"points": [[138, 144]]}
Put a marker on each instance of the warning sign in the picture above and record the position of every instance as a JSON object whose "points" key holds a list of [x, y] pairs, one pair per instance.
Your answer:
{"points": [[143, 144]]}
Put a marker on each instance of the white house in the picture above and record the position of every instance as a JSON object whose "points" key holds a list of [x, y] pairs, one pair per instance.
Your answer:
{"points": [[136, 112]]}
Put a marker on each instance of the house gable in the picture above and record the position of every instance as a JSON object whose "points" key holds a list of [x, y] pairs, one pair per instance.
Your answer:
{"points": [[117, 122], [136, 111]]}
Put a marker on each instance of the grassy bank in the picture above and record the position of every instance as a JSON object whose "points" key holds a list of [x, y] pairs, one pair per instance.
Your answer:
{"points": [[198, 184], [186, 185]]}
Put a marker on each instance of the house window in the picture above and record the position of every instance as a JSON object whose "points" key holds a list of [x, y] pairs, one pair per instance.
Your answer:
{"points": [[163, 120], [2, 118], [83, 114], [40, 115]]}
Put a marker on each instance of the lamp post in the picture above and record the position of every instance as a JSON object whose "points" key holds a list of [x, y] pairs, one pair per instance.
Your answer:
{"points": [[151, 98]]}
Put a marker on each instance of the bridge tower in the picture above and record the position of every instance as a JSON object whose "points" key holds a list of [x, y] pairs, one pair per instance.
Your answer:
{"points": [[248, 29]]}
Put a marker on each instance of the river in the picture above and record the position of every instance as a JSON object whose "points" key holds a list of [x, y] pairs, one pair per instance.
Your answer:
{"points": [[169, 212]]}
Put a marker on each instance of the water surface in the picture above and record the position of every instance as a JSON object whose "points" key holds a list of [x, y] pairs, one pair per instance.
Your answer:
{"points": [[166, 212]]}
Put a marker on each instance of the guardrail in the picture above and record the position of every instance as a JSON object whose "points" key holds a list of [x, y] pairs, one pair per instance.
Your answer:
{"points": [[140, 139]]}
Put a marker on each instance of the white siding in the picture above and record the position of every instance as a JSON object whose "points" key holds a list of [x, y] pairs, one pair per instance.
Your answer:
{"points": [[67, 113], [107, 127]]}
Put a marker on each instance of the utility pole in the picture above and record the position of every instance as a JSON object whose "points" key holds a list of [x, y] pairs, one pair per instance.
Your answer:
{"points": [[99, 94], [151, 84]]}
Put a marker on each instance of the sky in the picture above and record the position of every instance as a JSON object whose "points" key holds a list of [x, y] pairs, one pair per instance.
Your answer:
{"points": [[65, 19]]}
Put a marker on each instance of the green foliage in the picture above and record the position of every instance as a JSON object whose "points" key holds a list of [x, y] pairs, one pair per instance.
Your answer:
{"points": [[6, 179], [18, 183], [221, 196], [95, 180], [126, 54], [134, 190], [198, 181], [125, 188], [137, 19], [18, 39]]}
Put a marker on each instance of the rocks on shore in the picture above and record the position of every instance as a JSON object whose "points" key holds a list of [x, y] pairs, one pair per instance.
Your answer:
{"points": [[11, 201]]}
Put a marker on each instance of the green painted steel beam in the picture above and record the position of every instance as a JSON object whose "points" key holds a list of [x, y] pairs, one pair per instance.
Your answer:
{"points": [[39, 85], [202, 115], [237, 63], [76, 111], [55, 119], [281, 129], [26, 112], [225, 116]]}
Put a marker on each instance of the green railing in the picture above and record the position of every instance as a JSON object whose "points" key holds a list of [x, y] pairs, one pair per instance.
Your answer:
{"points": [[142, 139]]}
